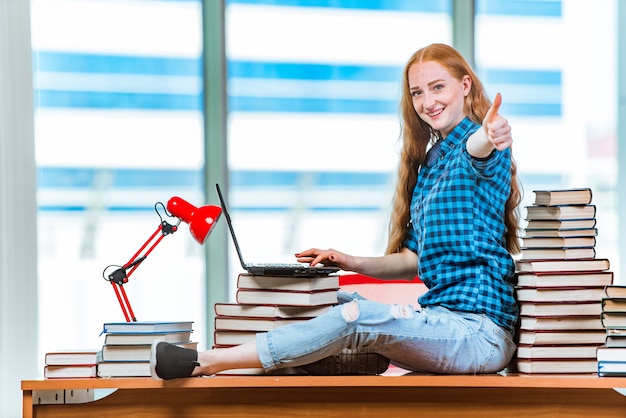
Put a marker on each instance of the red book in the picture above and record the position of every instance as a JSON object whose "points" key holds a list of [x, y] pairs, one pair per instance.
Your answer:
{"points": [[547, 309], [559, 294], [552, 366], [562, 266], [561, 323], [561, 337], [572, 279], [556, 351]]}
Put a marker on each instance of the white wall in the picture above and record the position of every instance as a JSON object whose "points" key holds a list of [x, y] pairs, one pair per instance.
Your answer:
{"points": [[18, 211]]}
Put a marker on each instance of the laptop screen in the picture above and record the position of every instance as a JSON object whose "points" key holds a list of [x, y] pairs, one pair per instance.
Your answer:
{"points": [[230, 224]]}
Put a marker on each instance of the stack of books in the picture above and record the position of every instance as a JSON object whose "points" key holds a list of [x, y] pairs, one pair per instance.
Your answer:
{"points": [[264, 303], [560, 285], [612, 356], [127, 345], [267, 302], [71, 363]]}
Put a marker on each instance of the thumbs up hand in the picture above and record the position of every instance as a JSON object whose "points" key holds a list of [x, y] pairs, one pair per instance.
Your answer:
{"points": [[496, 127]]}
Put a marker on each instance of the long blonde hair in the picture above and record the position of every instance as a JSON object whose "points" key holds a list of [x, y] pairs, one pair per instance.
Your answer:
{"points": [[415, 137]]}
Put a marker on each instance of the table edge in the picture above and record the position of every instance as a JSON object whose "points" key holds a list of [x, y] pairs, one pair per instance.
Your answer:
{"points": [[478, 381]]}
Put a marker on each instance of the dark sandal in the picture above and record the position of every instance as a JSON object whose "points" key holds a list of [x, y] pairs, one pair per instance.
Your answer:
{"points": [[169, 361]]}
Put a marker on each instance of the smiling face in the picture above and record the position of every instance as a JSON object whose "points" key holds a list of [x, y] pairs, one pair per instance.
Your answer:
{"points": [[438, 97]]}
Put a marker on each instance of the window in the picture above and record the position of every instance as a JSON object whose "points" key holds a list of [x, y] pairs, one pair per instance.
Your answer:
{"points": [[313, 92], [558, 83], [118, 128]]}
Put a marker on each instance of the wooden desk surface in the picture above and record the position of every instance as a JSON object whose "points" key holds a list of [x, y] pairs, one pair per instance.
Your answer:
{"points": [[409, 380], [326, 396]]}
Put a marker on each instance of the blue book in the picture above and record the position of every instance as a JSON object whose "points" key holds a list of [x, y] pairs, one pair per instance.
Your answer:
{"points": [[611, 368], [146, 326]]}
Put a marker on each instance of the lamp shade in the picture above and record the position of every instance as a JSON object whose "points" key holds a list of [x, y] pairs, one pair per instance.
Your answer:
{"points": [[200, 220]]}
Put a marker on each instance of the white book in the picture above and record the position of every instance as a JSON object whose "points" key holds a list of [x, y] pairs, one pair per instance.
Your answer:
{"points": [[124, 369], [256, 297], [134, 352], [269, 311], [252, 324]]}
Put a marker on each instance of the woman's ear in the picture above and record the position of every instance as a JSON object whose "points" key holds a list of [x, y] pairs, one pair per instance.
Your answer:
{"points": [[467, 85]]}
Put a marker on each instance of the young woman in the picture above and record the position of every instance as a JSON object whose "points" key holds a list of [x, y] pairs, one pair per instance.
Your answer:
{"points": [[454, 224]]}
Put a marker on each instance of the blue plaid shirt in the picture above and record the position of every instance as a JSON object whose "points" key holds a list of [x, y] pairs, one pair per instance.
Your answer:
{"points": [[457, 217]]}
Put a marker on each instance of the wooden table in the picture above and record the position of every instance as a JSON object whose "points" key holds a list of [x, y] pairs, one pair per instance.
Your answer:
{"points": [[326, 396]]}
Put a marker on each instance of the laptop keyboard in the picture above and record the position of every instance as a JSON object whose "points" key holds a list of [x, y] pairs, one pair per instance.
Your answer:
{"points": [[280, 265]]}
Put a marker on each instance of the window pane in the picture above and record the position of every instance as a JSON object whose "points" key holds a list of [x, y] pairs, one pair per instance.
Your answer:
{"points": [[118, 128], [313, 91], [564, 124]]}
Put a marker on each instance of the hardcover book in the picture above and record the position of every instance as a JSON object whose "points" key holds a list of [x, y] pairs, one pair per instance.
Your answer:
{"points": [[555, 366], [305, 284], [561, 337], [72, 357], [615, 291], [146, 338], [252, 324], [134, 352], [554, 266], [611, 354], [147, 326], [124, 369], [548, 309], [230, 338], [575, 196], [556, 351], [558, 324], [615, 332], [557, 253], [558, 242], [259, 297], [559, 294], [269, 311], [615, 340], [560, 233], [614, 320], [70, 371], [561, 224], [555, 213], [573, 279], [611, 368], [614, 305]]}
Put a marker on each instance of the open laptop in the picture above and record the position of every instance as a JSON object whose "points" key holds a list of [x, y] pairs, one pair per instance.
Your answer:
{"points": [[273, 269]]}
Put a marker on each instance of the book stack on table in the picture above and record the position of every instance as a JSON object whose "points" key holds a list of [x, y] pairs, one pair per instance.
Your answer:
{"points": [[71, 363], [560, 285], [127, 345], [612, 356], [264, 303]]}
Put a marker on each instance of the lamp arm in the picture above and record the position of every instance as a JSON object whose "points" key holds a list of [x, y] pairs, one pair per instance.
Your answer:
{"points": [[120, 275]]}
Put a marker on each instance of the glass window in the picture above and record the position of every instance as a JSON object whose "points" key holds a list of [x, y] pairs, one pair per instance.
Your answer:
{"points": [[555, 64], [313, 93], [119, 128]]}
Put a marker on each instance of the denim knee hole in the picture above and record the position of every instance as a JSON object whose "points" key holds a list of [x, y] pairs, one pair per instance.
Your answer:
{"points": [[350, 311], [401, 311]]}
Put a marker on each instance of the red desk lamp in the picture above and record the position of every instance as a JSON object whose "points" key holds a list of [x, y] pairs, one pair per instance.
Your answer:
{"points": [[200, 220]]}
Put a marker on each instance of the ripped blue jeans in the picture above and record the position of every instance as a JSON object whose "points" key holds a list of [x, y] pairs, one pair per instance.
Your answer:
{"points": [[433, 339]]}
